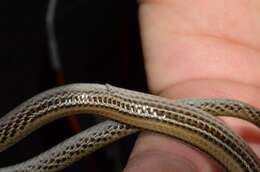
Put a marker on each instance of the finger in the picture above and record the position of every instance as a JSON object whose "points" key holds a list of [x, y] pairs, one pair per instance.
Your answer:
{"points": [[158, 153]]}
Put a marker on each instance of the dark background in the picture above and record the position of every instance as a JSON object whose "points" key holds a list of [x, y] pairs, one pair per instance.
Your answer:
{"points": [[98, 42]]}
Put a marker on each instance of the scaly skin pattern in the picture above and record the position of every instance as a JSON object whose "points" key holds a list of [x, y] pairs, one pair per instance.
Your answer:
{"points": [[191, 120]]}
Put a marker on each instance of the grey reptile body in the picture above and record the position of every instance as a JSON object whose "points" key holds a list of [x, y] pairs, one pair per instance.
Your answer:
{"points": [[190, 120]]}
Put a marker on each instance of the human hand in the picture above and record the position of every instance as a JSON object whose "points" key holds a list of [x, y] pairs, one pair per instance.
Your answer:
{"points": [[198, 49]]}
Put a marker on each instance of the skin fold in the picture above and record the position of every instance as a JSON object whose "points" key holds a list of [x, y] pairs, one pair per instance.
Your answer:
{"points": [[198, 49]]}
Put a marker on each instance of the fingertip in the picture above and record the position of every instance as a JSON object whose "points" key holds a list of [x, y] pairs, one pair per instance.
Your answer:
{"points": [[158, 161]]}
